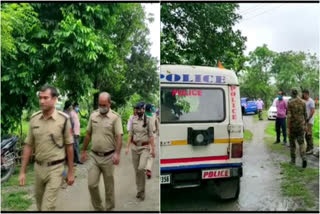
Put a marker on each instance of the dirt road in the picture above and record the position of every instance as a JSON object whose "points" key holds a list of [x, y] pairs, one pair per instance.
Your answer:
{"points": [[260, 184], [77, 198]]}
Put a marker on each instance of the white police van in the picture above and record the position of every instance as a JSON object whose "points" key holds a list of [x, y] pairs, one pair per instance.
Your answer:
{"points": [[201, 129]]}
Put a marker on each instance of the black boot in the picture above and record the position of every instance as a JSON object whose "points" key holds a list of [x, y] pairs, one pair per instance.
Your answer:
{"points": [[304, 163]]}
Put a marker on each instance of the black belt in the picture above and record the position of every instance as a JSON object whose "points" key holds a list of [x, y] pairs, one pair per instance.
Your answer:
{"points": [[52, 163], [102, 154], [142, 144]]}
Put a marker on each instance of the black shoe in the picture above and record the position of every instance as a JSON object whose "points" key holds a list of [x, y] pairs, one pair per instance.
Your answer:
{"points": [[140, 196], [79, 162], [276, 142], [304, 163]]}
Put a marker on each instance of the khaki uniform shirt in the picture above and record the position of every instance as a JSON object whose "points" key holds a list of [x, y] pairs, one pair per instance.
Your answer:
{"points": [[39, 136], [104, 129], [141, 134]]}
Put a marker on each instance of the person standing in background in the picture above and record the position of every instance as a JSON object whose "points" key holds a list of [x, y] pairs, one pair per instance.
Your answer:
{"points": [[310, 120], [260, 105], [76, 132], [281, 118]]}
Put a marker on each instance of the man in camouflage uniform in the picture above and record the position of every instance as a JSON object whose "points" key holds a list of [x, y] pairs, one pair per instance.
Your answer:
{"points": [[50, 137], [297, 117]]}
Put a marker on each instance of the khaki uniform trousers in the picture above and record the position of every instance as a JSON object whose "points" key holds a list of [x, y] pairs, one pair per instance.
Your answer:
{"points": [[48, 180], [299, 136], [101, 165], [150, 160], [140, 155], [149, 163]]}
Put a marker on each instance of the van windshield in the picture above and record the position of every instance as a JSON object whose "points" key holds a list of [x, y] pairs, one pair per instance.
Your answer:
{"points": [[181, 105]]}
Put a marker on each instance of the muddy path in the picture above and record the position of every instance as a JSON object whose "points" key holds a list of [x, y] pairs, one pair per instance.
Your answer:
{"points": [[260, 184], [77, 197]]}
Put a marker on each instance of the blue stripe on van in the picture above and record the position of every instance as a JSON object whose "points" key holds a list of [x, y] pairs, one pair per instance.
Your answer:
{"points": [[173, 168]]}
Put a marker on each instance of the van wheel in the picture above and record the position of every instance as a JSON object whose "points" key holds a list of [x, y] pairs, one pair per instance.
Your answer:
{"points": [[225, 189]]}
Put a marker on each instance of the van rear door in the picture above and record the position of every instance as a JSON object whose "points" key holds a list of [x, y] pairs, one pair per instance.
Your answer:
{"points": [[194, 123]]}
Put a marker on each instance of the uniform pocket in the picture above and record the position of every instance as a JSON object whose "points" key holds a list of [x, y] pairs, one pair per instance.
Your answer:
{"points": [[107, 129]]}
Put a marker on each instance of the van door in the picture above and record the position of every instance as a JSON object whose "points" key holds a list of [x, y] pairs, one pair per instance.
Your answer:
{"points": [[236, 124], [194, 123]]}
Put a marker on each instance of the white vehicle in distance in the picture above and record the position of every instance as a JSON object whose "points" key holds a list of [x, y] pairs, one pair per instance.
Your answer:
{"points": [[272, 112]]}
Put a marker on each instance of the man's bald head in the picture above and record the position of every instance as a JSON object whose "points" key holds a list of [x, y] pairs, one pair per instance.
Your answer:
{"points": [[104, 99], [105, 95]]}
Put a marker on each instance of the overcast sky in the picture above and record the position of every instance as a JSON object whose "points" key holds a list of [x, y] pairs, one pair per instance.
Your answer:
{"points": [[282, 26], [154, 28]]}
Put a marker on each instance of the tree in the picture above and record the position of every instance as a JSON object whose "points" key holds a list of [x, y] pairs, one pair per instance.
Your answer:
{"points": [[201, 34], [21, 62], [80, 48], [256, 80], [296, 69]]}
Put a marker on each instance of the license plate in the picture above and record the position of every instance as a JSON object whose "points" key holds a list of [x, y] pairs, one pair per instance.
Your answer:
{"points": [[215, 173], [165, 179]]}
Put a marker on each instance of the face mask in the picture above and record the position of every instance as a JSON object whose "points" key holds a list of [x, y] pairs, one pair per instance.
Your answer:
{"points": [[280, 97], [153, 109], [103, 110], [77, 109]]}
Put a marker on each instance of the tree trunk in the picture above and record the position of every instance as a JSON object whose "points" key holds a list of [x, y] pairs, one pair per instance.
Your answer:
{"points": [[96, 95]]}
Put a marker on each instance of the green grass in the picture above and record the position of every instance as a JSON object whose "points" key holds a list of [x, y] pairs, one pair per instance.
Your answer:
{"points": [[14, 179], [280, 148], [316, 128], [16, 201], [264, 115], [295, 180], [247, 135], [270, 129]]}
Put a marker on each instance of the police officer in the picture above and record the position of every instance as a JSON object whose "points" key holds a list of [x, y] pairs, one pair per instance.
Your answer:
{"points": [[297, 117], [141, 136], [153, 120], [50, 138], [105, 129]]}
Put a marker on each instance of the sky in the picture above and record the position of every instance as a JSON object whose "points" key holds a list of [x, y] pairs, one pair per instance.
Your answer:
{"points": [[154, 28], [282, 26]]}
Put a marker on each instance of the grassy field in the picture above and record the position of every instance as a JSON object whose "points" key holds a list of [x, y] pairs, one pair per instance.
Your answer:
{"points": [[14, 179], [270, 130], [264, 115], [17, 200], [247, 135], [296, 181], [316, 128]]}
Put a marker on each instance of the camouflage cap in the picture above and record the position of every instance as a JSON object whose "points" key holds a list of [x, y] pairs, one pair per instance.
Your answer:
{"points": [[294, 92]]}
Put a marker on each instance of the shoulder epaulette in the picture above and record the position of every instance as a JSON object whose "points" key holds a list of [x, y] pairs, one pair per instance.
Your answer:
{"points": [[64, 114], [35, 114], [115, 113]]}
